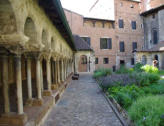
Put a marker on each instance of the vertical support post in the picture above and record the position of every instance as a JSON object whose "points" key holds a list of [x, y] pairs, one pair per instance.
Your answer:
{"points": [[5, 84], [19, 84], [48, 74], [58, 67], [38, 79]]}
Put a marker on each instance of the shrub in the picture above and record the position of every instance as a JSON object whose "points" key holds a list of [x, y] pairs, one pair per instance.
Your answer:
{"points": [[125, 95], [102, 72], [138, 67], [146, 111], [123, 70], [150, 69], [145, 79], [154, 89]]}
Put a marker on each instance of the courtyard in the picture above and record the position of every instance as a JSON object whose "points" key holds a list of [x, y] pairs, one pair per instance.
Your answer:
{"points": [[82, 104]]}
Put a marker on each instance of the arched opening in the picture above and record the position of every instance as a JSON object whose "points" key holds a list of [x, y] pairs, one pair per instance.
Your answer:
{"points": [[53, 71], [144, 60], [44, 38], [83, 64], [7, 18], [44, 72], [24, 79], [33, 77], [30, 30]]}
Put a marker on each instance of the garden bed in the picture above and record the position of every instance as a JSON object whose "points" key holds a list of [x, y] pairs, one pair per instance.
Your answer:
{"points": [[136, 93]]}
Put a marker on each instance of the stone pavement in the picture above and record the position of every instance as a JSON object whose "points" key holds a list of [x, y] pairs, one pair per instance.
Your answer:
{"points": [[82, 104]]}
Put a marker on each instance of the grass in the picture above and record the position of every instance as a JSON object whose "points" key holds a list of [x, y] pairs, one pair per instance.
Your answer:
{"points": [[161, 72]]}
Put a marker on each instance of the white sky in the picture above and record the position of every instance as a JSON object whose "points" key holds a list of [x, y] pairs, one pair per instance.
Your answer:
{"points": [[104, 9]]}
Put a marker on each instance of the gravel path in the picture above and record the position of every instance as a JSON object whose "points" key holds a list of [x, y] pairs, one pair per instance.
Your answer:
{"points": [[82, 104]]}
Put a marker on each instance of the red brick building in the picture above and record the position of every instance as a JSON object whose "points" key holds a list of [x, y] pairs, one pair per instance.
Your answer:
{"points": [[113, 41]]}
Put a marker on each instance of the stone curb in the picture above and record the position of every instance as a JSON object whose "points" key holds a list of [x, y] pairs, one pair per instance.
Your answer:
{"points": [[113, 108]]}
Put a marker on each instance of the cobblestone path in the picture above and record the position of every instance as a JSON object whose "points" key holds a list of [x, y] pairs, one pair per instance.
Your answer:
{"points": [[82, 104]]}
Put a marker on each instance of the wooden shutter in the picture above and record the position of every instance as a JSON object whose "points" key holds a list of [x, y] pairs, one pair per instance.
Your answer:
{"points": [[109, 43], [121, 23], [133, 24], [134, 46], [155, 37], [88, 41], [122, 48]]}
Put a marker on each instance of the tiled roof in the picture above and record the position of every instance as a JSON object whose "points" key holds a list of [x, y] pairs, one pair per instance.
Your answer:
{"points": [[80, 44], [158, 48], [156, 9]]}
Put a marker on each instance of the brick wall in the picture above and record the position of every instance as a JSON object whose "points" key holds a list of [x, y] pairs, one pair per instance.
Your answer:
{"points": [[96, 29]]}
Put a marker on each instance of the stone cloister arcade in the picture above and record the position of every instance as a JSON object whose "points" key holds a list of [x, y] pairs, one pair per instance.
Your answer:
{"points": [[36, 59]]}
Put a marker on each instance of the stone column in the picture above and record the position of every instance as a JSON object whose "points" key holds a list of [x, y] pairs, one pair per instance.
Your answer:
{"points": [[19, 84], [62, 70], [53, 72], [38, 79], [5, 84], [58, 67], [29, 86], [48, 74], [41, 76], [56, 73]]}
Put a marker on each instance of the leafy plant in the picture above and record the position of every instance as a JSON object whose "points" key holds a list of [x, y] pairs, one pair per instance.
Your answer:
{"points": [[138, 67], [146, 111], [150, 69], [102, 72], [123, 70]]}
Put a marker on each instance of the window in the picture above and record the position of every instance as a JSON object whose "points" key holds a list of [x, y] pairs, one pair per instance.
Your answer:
{"points": [[87, 39], [122, 48], [133, 25], [106, 61], [132, 61], [155, 36], [121, 23], [122, 62], [96, 60], [134, 46], [105, 43]]}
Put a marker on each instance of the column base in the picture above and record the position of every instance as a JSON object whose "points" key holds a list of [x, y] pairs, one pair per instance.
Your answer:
{"points": [[37, 102], [13, 119], [29, 102], [54, 86], [47, 93]]}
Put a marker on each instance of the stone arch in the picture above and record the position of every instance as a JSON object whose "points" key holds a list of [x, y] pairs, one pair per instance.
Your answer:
{"points": [[144, 60], [44, 37], [7, 18], [30, 30], [82, 64]]}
